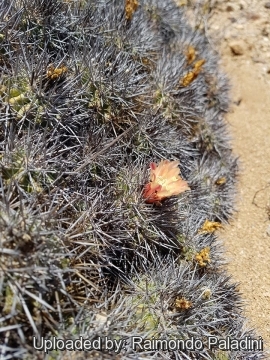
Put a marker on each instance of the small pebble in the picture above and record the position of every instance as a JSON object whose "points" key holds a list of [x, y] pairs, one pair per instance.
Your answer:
{"points": [[236, 48], [265, 31], [267, 5], [268, 230], [242, 5], [229, 8], [239, 26]]}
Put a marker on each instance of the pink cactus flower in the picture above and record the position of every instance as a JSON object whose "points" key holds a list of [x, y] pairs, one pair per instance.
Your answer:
{"points": [[165, 181]]}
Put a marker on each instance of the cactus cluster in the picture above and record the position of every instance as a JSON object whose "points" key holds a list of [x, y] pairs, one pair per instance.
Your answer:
{"points": [[92, 93]]}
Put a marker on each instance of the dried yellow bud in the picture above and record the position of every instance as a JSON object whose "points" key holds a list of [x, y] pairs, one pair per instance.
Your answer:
{"points": [[182, 304], [210, 226], [131, 7], [203, 258]]}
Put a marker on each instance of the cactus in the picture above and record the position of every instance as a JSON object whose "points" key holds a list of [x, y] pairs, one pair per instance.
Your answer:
{"points": [[93, 93]]}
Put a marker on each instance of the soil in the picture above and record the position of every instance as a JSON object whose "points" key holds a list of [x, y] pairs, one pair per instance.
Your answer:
{"points": [[240, 29]]}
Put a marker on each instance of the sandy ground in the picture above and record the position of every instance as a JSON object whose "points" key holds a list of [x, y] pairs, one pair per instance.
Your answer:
{"points": [[241, 28]]}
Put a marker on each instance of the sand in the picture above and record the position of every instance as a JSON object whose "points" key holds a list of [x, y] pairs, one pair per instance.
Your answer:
{"points": [[241, 31]]}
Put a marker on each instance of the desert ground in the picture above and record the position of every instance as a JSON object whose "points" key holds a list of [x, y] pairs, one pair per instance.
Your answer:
{"points": [[240, 30]]}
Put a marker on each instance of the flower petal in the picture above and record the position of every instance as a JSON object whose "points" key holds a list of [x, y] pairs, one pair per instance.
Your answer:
{"points": [[165, 181]]}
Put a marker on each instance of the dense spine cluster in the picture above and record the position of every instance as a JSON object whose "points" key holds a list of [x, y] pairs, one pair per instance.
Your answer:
{"points": [[92, 93]]}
